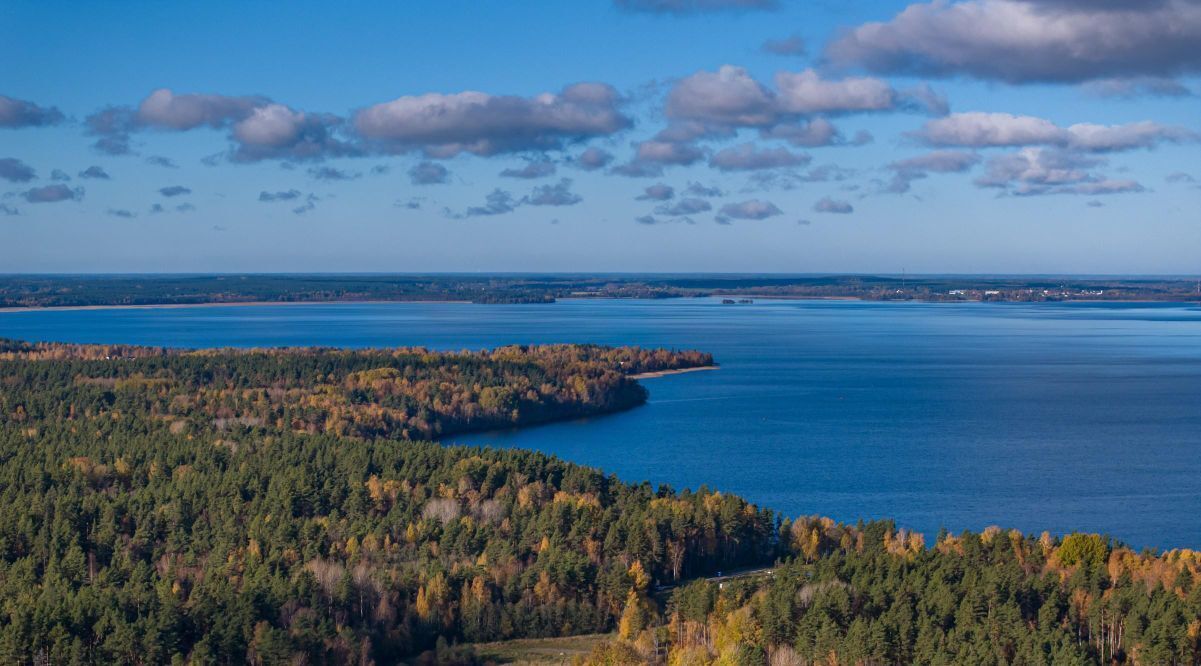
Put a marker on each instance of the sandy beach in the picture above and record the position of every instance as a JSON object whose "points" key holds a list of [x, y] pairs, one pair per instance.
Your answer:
{"points": [[664, 373]]}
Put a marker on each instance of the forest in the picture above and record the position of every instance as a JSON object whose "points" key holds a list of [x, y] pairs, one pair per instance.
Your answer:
{"points": [[284, 506]]}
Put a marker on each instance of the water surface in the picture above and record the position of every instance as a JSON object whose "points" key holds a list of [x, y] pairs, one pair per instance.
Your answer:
{"points": [[1042, 417]]}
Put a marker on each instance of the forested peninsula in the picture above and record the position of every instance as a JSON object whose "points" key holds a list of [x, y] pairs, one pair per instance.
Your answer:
{"points": [[286, 506]]}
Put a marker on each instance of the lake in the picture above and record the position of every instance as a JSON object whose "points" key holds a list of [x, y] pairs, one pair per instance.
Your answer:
{"points": [[1052, 417]]}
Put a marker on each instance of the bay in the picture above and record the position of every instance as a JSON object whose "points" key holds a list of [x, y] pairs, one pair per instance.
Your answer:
{"points": [[1059, 417]]}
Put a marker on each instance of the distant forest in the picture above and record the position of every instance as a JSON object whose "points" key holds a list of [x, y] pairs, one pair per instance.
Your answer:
{"points": [[277, 507], [99, 290]]}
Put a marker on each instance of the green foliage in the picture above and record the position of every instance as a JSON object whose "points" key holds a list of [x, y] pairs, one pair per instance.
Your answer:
{"points": [[127, 539], [1087, 550], [976, 598]]}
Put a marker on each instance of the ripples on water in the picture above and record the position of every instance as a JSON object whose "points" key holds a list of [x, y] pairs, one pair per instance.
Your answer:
{"points": [[1040, 416]]}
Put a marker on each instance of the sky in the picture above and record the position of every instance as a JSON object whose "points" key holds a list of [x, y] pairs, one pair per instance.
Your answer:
{"points": [[953, 136]]}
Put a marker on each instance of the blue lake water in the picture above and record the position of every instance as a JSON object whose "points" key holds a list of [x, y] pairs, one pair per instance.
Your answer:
{"points": [[1041, 417]]}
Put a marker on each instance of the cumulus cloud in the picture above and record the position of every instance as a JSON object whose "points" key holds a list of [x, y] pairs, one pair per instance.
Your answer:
{"points": [[752, 209], [1104, 138], [1034, 171], [980, 129], [593, 158], [532, 169], [60, 175], [6, 209], [732, 98], [112, 125], [483, 124], [790, 46], [792, 179], [276, 131], [121, 212], [635, 169], [15, 113], [52, 194], [688, 206], [310, 203], [498, 202], [945, 161], [557, 194], [258, 128], [667, 152], [94, 171], [812, 134], [164, 109], [808, 93], [286, 195], [1021, 41], [716, 104], [15, 171], [332, 173], [828, 205], [174, 191], [159, 160], [651, 156], [686, 7], [1180, 177], [113, 145], [745, 157], [657, 192], [428, 173], [727, 97], [699, 190]]}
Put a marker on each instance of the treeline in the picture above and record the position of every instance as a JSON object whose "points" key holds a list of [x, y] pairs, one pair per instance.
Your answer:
{"points": [[93, 290], [401, 393]]}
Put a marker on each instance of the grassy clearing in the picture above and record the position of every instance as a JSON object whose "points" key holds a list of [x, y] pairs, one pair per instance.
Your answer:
{"points": [[539, 650]]}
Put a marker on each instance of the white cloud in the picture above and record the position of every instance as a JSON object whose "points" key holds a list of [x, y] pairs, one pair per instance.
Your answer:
{"points": [[483, 124], [1024, 41]]}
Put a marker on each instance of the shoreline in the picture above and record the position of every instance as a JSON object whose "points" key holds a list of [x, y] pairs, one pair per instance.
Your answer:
{"points": [[678, 371], [206, 304], [774, 297]]}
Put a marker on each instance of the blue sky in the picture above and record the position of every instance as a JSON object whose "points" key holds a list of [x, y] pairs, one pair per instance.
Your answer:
{"points": [[978, 136]]}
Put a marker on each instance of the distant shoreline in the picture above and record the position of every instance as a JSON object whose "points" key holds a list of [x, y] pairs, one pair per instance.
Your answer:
{"points": [[939, 301], [207, 304], [664, 373], [762, 297]]}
